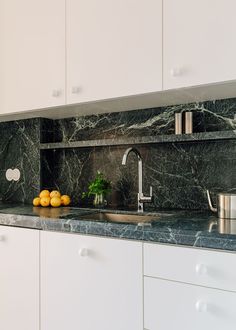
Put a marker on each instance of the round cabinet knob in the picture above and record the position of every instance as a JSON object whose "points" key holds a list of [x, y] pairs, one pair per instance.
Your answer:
{"points": [[83, 252], [56, 93], [201, 306], [75, 90], [175, 72], [201, 269]]}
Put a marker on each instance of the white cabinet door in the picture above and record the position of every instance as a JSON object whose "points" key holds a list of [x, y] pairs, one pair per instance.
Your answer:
{"points": [[172, 305], [19, 279], [90, 283], [114, 48], [199, 45], [32, 54]]}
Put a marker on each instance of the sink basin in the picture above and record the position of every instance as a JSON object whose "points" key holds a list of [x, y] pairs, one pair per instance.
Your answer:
{"points": [[121, 218]]}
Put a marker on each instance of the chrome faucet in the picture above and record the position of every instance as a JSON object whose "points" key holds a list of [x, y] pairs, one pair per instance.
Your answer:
{"points": [[141, 198]]}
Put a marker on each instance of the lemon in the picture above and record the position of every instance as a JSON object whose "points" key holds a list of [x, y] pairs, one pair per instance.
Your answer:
{"points": [[44, 193], [36, 201], [55, 202], [65, 200], [55, 193], [45, 201]]}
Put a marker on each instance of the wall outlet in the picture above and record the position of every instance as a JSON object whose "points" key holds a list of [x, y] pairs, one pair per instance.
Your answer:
{"points": [[13, 175]]}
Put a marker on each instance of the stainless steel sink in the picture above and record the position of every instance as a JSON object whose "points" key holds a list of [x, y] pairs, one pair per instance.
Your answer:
{"points": [[121, 218]]}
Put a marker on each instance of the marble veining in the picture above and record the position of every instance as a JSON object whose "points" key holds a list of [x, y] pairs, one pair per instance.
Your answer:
{"points": [[19, 148], [216, 116], [179, 170], [178, 228]]}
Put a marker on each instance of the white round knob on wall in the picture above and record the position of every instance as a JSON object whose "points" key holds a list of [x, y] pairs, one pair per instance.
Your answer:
{"points": [[201, 306], [83, 252], [13, 175], [201, 269], [75, 90]]}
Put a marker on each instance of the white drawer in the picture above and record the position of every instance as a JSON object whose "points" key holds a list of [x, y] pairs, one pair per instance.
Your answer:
{"points": [[173, 305], [195, 266]]}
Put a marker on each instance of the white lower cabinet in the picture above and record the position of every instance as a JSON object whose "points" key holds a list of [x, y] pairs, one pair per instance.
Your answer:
{"points": [[19, 279], [64, 281], [187, 288], [90, 283], [172, 305]]}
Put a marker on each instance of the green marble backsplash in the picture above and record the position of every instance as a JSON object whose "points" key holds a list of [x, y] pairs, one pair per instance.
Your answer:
{"points": [[179, 172]]}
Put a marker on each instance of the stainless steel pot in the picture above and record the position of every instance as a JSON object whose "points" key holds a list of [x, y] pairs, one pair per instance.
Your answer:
{"points": [[226, 205]]}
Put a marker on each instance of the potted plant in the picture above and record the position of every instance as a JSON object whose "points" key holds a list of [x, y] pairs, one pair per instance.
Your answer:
{"points": [[99, 188]]}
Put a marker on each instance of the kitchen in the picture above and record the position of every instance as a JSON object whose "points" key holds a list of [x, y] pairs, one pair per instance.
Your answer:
{"points": [[100, 93]]}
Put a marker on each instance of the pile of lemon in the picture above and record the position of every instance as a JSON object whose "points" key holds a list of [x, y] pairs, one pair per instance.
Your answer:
{"points": [[53, 198]]}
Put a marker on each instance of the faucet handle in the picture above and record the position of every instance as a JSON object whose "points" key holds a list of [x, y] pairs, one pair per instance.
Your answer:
{"points": [[150, 191], [146, 199]]}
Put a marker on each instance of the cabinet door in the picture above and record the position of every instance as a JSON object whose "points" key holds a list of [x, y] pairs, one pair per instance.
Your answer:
{"points": [[114, 48], [90, 283], [19, 279], [198, 41], [32, 56], [172, 305]]}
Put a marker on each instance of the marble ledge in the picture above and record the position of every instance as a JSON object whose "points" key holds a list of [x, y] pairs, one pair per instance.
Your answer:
{"points": [[171, 138], [179, 227]]}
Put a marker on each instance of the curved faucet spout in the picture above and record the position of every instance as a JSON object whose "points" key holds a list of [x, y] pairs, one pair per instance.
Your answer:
{"points": [[141, 198], [126, 154]]}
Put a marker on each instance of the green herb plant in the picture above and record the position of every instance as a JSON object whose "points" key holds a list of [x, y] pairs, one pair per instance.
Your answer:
{"points": [[99, 186]]}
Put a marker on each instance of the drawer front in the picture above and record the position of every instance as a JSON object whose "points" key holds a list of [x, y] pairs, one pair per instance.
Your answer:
{"points": [[173, 305], [195, 266]]}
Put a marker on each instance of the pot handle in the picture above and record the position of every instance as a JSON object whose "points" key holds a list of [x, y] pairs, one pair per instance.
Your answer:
{"points": [[213, 209]]}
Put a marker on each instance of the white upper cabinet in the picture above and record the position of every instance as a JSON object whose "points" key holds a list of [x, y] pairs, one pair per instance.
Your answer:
{"points": [[114, 48], [57, 52], [199, 42], [32, 54]]}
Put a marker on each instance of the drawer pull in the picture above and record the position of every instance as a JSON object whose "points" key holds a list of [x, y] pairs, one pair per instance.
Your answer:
{"points": [[201, 269], [201, 306], [56, 92], [176, 72], [83, 252], [2, 238], [75, 90]]}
